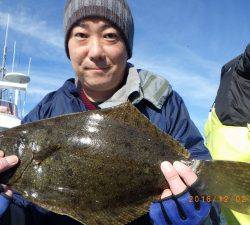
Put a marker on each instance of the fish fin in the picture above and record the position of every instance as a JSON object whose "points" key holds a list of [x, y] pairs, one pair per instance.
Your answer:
{"points": [[110, 216], [128, 114], [116, 216], [68, 211], [227, 182]]}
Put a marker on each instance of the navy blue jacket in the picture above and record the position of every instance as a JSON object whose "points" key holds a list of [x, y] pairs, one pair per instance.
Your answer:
{"points": [[172, 118]]}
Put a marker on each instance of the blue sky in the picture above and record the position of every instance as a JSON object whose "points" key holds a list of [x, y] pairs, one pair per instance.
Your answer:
{"points": [[185, 41]]}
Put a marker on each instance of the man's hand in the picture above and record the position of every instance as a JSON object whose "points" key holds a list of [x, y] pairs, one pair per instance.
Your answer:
{"points": [[177, 206], [173, 174], [5, 192]]}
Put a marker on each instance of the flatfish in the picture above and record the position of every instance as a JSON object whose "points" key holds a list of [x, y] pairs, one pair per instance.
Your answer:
{"points": [[103, 166]]}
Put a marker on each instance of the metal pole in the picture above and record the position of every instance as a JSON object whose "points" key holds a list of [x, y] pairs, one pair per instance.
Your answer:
{"points": [[24, 103], [29, 67], [13, 59], [5, 47], [16, 97]]}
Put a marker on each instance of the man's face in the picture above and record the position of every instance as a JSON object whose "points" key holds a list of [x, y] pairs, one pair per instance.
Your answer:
{"points": [[98, 55]]}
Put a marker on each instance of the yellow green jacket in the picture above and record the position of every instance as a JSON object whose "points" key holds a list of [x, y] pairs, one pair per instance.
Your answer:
{"points": [[227, 130], [228, 143]]}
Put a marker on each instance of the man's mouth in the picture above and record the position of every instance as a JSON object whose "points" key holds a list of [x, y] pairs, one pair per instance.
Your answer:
{"points": [[97, 68]]}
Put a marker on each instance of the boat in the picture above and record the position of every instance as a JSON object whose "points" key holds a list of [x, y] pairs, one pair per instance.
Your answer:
{"points": [[13, 89]]}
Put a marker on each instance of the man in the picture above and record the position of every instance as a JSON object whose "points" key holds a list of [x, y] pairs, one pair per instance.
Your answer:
{"points": [[228, 126], [99, 42]]}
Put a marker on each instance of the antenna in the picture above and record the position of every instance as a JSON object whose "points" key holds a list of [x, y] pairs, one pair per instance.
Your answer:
{"points": [[29, 67], [13, 59], [5, 48]]}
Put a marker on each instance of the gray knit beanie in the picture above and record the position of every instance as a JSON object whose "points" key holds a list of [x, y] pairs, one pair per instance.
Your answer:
{"points": [[115, 11]]}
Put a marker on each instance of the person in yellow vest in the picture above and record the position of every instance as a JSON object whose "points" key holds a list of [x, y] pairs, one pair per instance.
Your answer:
{"points": [[227, 130]]}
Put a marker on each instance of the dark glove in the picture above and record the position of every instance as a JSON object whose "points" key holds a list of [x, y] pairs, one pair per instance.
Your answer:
{"points": [[179, 210]]}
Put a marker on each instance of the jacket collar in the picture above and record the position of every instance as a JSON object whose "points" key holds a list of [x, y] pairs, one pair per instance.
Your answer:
{"points": [[140, 84]]}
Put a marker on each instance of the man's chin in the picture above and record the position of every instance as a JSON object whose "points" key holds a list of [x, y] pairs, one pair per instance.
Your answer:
{"points": [[99, 86]]}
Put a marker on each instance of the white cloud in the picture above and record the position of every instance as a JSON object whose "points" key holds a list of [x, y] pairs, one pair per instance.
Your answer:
{"points": [[46, 80], [32, 27], [41, 84], [38, 91], [195, 86], [208, 66]]}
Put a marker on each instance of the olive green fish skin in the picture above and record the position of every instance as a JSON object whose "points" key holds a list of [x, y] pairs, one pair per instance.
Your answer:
{"points": [[227, 182], [87, 163], [103, 167]]}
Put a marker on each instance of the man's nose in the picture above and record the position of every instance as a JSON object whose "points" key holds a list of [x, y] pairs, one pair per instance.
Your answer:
{"points": [[96, 50]]}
